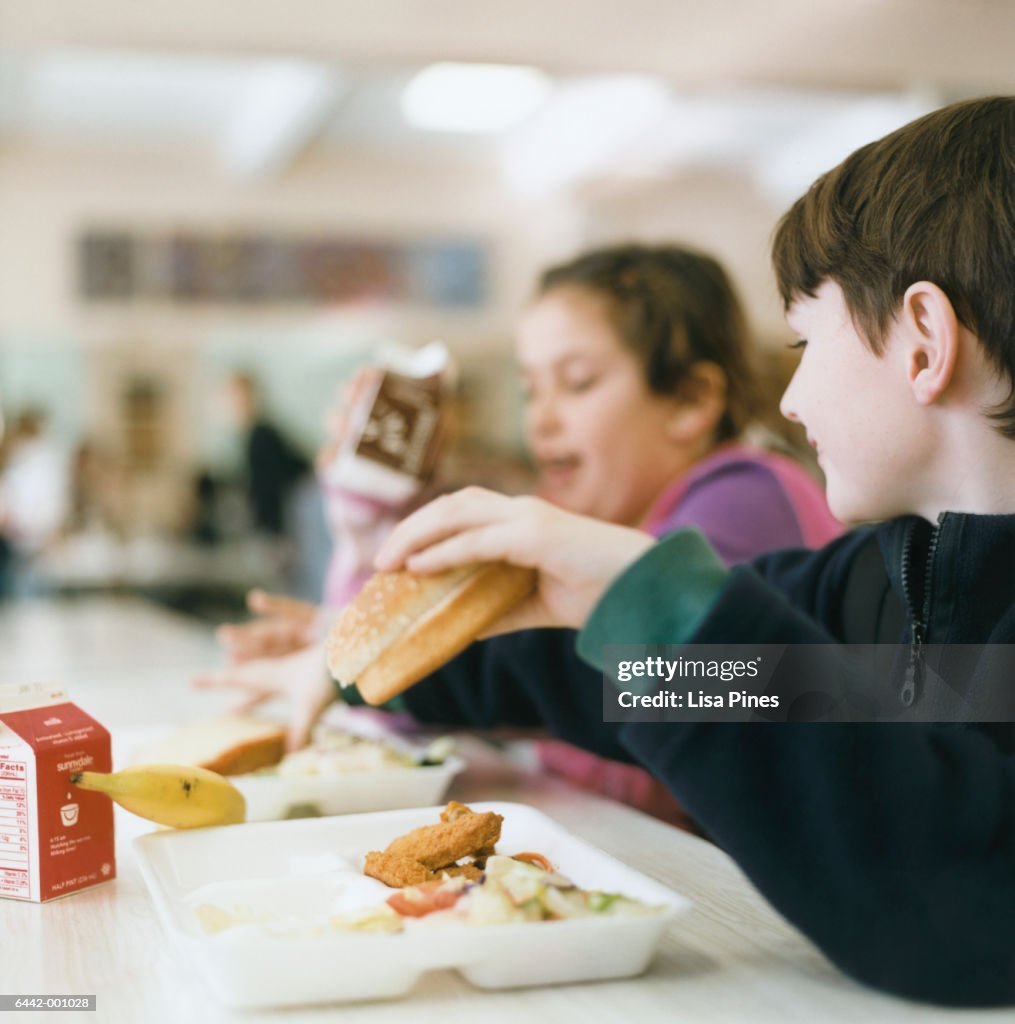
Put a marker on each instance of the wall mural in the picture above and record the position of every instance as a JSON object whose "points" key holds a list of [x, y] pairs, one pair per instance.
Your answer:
{"points": [[254, 268]]}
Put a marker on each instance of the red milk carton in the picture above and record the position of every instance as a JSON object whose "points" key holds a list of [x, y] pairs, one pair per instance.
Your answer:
{"points": [[54, 838]]}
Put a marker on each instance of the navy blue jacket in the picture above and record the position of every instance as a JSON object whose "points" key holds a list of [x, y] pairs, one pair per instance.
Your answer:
{"points": [[891, 846]]}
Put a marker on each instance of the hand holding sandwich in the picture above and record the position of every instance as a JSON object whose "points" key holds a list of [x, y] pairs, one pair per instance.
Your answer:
{"points": [[469, 556], [576, 558]]}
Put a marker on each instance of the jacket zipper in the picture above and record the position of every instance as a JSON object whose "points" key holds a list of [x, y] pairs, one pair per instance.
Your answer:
{"points": [[914, 669]]}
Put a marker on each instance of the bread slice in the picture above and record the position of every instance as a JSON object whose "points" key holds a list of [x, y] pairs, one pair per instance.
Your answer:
{"points": [[402, 627], [232, 745]]}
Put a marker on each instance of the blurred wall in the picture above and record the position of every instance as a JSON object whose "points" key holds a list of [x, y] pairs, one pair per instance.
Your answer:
{"points": [[48, 194], [720, 211], [95, 353]]}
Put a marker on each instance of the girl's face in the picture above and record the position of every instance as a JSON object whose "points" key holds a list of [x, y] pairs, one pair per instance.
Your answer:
{"points": [[601, 440]]}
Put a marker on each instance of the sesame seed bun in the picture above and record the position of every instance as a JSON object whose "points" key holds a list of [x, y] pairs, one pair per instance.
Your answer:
{"points": [[402, 627]]}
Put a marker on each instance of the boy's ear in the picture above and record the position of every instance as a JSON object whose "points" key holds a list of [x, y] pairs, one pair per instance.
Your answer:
{"points": [[932, 335], [699, 405]]}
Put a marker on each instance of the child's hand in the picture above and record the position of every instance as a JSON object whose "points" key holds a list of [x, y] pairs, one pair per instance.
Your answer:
{"points": [[285, 625], [577, 557], [300, 678]]}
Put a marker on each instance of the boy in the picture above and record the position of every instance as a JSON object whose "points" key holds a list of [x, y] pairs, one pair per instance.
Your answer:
{"points": [[891, 847]]}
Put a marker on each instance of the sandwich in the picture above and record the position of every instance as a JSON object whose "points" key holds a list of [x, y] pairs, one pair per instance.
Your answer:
{"points": [[231, 745], [402, 627]]}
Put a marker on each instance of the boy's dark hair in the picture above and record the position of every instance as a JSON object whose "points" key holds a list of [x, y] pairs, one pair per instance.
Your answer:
{"points": [[672, 307], [933, 201]]}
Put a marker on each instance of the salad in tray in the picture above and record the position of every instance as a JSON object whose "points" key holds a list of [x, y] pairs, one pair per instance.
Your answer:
{"points": [[508, 891], [335, 751]]}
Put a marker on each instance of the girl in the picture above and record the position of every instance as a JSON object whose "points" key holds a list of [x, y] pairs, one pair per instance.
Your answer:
{"points": [[636, 369]]}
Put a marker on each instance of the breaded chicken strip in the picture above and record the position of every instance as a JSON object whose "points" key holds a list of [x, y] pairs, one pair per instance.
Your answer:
{"points": [[396, 871], [438, 845], [454, 811], [470, 871]]}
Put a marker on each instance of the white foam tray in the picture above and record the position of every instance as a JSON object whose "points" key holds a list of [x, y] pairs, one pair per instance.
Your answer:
{"points": [[271, 797], [304, 869]]}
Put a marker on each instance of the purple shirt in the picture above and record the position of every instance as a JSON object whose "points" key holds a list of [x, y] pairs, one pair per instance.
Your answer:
{"points": [[746, 501]]}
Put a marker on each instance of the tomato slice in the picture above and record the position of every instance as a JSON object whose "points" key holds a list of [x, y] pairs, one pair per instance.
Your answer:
{"points": [[536, 859], [425, 898]]}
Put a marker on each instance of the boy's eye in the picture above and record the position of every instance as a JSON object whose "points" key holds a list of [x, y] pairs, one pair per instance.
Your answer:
{"points": [[800, 343], [580, 384]]}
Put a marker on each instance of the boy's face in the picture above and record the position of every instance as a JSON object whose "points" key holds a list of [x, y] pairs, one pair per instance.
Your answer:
{"points": [[858, 410]]}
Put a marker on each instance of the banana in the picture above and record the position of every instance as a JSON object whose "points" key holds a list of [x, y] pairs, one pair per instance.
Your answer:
{"points": [[170, 794]]}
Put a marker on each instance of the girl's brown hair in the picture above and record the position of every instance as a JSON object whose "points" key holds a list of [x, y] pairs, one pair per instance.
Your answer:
{"points": [[672, 307]]}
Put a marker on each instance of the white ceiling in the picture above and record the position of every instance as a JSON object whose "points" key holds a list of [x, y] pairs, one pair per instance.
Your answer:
{"points": [[785, 84], [866, 44]]}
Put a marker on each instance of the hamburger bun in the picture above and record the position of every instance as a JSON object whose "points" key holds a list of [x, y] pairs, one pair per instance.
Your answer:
{"points": [[402, 627]]}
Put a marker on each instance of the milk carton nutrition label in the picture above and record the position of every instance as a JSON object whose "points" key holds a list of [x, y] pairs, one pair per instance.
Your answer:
{"points": [[14, 852], [54, 838]]}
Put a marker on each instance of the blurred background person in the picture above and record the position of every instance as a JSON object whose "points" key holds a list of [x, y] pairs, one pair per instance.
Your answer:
{"points": [[273, 467], [34, 499], [96, 488], [286, 512]]}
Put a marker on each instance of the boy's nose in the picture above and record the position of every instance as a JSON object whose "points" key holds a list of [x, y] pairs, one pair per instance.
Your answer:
{"points": [[790, 403], [787, 404]]}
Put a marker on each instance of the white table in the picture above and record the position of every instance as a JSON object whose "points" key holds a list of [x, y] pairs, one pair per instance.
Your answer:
{"points": [[731, 959]]}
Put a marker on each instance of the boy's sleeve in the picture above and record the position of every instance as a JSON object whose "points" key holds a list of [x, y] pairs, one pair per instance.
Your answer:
{"points": [[892, 847], [532, 679], [645, 607], [680, 585]]}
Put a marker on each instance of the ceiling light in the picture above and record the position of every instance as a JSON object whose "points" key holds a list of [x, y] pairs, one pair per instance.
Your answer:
{"points": [[588, 127], [285, 105], [473, 97]]}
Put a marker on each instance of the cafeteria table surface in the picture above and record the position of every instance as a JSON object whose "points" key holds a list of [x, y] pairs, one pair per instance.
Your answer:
{"points": [[127, 663]]}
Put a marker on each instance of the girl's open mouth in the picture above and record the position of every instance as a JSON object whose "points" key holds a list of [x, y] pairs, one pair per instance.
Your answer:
{"points": [[559, 471]]}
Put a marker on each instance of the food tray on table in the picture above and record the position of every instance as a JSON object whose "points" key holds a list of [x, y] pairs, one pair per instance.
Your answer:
{"points": [[271, 796], [352, 765], [255, 907]]}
